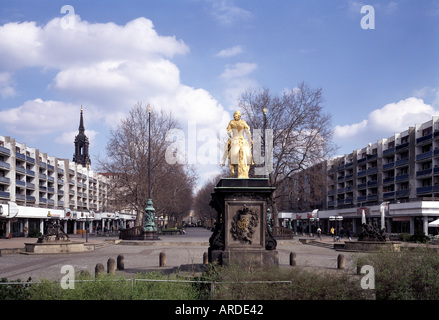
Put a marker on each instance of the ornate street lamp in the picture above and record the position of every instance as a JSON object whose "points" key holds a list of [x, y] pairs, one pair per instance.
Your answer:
{"points": [[149, 226]]}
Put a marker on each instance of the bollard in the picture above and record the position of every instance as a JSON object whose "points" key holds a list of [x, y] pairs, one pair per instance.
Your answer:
{"points": [[120, 262], [340, 261], [111, 266], [292, 259], [205, 258], [99, 269], [162, 261]]}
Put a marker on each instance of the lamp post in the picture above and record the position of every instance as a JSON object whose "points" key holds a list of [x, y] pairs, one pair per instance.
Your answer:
{"points": [[149, 226], [263, 137]]}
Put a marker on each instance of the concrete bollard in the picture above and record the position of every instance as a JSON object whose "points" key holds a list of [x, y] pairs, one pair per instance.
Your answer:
{"points": [[120, 262], [340, 262], [111, 266], [99, 269], [292, 259], [205, 258], [162, 261]]}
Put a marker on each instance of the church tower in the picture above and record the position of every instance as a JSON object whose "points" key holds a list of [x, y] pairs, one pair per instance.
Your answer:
{"points": [[81, 155]]}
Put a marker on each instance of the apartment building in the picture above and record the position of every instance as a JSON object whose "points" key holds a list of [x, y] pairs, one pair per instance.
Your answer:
{"points": [[401, 170], [35, 187]]}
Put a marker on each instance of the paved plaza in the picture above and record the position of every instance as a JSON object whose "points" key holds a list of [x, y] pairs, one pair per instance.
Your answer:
{"points": [[181, 251]]}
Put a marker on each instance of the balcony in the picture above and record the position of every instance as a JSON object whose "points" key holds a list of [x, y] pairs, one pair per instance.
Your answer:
{"points": [[5, 151], [4, 195], [422, 190], [387, 195], [389, 180], [402, 162], [402, 146], [5, 165], [388, 166], [20, 156], [402, 177], [425, 172], [362, 173], [388, 151], [425, 138], [425, 155], [362, 186], [5, 180], [20, 197], [402, 193], [372, 183], [20, 169], [20, 183]]}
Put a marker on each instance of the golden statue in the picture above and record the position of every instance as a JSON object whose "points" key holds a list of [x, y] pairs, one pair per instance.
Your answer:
{"points": [[238, 150]]}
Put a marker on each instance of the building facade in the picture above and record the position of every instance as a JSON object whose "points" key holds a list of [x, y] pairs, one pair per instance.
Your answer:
{"points": [[402, 170], [35, 187]]}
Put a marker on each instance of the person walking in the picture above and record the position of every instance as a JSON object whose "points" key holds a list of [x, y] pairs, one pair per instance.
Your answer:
{"points": [[350, 234], [332, 232], [319, 231]]}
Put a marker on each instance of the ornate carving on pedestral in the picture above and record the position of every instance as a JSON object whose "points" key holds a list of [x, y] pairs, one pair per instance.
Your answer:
{"points": [[244, 225]]}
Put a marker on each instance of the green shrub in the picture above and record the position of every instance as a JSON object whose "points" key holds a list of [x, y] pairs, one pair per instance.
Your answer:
{"points": [[240, 283], [16, 291], [407, 274]]}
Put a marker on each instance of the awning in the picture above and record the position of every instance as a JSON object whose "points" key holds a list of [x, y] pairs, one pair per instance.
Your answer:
{"points": [[434, 223]]}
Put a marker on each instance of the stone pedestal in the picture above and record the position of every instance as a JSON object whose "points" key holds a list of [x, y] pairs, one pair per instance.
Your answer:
{"points": [[242, 234], [53, 247]]}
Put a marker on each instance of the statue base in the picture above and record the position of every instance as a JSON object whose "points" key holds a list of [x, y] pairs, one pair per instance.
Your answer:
{"points": [[242, 234]]}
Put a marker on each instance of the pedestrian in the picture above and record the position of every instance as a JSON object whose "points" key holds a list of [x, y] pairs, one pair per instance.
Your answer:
{"points": [[350, 234], [319, 231], [332, 232]]}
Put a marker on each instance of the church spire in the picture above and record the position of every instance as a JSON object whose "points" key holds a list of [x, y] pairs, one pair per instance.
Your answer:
{"points": [[81, 123], [81, 155]]}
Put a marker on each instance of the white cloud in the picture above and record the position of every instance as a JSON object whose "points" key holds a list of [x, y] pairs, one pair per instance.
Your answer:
{"points": [[104, 66], [227, 13], [384, 122], [237, 78], [6, 89], [230, 52], [38, 117], [238, 70]]}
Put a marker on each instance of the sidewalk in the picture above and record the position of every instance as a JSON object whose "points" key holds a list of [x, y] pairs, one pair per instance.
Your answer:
{"points": [[181, 251]]}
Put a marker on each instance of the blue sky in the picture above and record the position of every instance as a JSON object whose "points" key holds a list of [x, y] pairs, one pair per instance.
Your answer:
{"points": [[195, 57]]}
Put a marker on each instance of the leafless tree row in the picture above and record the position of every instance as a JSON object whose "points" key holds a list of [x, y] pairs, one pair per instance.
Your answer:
{"points": [[127, 163]]}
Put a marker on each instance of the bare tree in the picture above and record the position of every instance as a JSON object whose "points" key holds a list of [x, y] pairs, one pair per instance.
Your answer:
{"points": [[302, 132], [127, 161], [201, 206]]}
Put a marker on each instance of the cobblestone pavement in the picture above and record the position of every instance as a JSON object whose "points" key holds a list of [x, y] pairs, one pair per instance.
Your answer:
{"points": [[180, 250]]}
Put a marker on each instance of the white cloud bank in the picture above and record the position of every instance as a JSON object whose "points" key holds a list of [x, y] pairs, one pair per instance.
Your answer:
{"points": [[384, 122], [105, 67]]}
